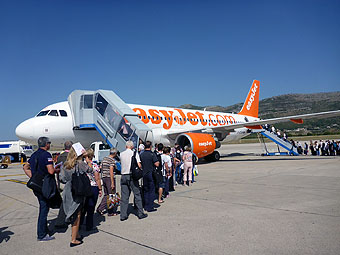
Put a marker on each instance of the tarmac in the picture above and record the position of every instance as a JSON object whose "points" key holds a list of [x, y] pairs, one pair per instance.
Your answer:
{"points": [[243, 204]]}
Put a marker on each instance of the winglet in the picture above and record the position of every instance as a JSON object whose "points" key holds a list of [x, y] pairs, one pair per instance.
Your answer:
{"points": [[251, 105]]}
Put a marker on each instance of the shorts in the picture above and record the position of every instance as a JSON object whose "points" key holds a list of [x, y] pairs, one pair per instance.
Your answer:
{"points": [[162, 183]]}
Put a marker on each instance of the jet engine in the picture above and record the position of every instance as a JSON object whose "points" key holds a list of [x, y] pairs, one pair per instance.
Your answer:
{"points": [[203, 145]]}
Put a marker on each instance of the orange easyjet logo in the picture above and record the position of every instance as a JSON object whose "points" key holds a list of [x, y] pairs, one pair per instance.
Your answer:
{"points": [[181, 118]]}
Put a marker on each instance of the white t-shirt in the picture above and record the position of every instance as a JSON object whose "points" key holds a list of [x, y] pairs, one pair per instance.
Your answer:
{"points": [[165, 159], [125, 160]]}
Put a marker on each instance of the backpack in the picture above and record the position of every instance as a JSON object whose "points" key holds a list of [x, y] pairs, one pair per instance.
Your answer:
{"points": [[178, 155], [81, 185], [194, 158], [157, 172], [136, 172], [159, 158]]}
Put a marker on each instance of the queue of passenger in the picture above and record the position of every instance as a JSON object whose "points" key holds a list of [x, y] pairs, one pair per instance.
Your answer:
{"points": [[316, 148], [163, 169]]}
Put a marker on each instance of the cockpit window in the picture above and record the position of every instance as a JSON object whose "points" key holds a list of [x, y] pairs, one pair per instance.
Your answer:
{"points": [[42, 113], [63, 113], [53, 113]]}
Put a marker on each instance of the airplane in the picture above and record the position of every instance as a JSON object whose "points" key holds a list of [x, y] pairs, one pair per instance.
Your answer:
{"points": [[203, 130]]}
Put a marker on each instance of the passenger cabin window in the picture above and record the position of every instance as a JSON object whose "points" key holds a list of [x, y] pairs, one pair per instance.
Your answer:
{"points": [[53, 113], [63, 113], [42, 113]]}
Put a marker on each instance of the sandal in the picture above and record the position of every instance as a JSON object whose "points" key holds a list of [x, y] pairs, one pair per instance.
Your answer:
{"points": [[100, 212]]}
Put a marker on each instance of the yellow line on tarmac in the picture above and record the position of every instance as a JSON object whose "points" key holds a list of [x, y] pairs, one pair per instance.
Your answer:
{"points": [[17, 181], [11, 175]]}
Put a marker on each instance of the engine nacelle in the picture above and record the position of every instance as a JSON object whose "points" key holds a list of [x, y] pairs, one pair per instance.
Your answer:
{"points": [[201, 144]]}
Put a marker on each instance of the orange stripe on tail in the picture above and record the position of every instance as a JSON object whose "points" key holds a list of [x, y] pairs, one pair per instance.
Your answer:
{"points": [[251, 105], [297, 121]]}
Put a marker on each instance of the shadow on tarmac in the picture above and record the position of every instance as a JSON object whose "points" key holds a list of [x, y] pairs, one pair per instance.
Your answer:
{"points": [[5, 235], [228, 158]]}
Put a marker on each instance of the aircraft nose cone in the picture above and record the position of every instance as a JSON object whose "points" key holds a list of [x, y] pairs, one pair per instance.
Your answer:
{"points": [[24, 130]]}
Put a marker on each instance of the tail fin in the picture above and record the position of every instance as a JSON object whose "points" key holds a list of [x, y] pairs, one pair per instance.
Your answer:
{"points": [[251, 105]]}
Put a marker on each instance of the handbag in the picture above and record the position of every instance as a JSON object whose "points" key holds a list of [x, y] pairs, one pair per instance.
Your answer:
{"points": [[195, 171], [81, 185], [113, 200], [136, 172]]}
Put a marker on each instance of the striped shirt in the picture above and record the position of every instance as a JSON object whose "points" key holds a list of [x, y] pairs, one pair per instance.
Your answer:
{"points": [[106, 164]]}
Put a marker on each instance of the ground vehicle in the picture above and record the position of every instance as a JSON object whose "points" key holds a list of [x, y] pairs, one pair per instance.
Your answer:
{"points": [[17, 151], [4, 161], [101, 150]]}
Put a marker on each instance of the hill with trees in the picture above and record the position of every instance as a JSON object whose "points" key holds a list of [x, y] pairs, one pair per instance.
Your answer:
{"points": [[293, 104]]}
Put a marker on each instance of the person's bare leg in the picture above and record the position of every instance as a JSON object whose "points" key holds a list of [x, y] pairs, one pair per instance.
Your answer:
{"points": [[160, 192], [75, 229]]}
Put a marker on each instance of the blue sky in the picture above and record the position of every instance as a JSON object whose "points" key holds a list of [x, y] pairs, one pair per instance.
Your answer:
{"points": [[163, 52]]}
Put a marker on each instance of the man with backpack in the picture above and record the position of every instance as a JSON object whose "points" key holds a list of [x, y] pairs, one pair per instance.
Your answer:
{"points": [[148, 161], [128, 184], [159, 172], [178, 162], [41, 162]]}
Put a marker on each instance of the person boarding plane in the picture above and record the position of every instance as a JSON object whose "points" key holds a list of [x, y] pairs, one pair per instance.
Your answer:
{"points": [[202, 130]]}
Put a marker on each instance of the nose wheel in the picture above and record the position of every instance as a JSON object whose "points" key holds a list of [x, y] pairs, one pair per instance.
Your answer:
{"points": [[215, 156]]}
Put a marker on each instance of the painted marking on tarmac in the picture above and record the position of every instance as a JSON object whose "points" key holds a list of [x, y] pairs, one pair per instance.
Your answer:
{"points": [[16, 181]]}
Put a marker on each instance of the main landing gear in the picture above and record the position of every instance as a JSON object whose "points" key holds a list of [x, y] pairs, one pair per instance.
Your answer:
{"points": [[215, 156]]}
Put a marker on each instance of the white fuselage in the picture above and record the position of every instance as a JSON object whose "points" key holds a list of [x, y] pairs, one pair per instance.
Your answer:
{"points": [[56, 122]]}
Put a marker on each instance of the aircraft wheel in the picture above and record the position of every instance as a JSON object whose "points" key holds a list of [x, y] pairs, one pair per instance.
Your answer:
{"points": [[216, 156]]}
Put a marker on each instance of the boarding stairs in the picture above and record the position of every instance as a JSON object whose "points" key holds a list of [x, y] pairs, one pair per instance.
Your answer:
{"points": [[107, 113], [291, 150]]}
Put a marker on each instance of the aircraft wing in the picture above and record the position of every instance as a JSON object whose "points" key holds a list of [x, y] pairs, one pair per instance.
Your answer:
{"points": [[294, 118]]}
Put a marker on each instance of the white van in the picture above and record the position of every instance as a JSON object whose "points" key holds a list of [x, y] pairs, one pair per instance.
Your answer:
{"points": [[101, 150]]}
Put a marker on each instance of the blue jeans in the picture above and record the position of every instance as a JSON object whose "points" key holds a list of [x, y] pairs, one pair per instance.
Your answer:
{"points": [[149, 191], [178, 174], [42, 229]]}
